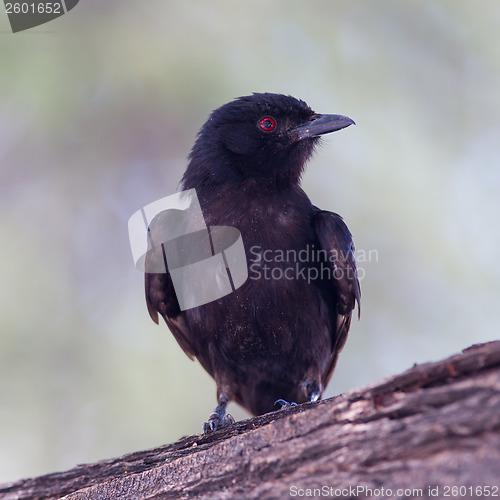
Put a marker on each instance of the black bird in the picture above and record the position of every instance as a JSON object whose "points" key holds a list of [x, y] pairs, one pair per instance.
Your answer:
{"points": [[278, 336]]}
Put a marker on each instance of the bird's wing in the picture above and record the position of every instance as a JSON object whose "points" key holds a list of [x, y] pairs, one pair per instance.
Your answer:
{"points": [[335, 239], [160, 292]]}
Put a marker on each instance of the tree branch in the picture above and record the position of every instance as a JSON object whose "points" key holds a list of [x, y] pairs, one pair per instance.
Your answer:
{"points": [[433, 427]]}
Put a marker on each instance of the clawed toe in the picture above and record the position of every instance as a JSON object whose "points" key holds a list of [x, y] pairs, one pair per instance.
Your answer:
{"points": [[284, 404], [216, 422]]}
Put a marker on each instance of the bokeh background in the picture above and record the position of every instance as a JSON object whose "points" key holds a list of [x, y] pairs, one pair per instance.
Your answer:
{"points": [[98, 111]]}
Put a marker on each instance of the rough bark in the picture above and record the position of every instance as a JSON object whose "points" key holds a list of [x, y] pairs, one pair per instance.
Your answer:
{"points": [[419, 434]]}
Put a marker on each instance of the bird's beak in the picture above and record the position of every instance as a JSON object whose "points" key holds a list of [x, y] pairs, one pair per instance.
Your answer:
{"points": [[319, 125]]}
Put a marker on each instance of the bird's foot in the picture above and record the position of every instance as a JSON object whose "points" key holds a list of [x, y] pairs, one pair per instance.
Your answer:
{"points": [[216, 421], [284, 404]]}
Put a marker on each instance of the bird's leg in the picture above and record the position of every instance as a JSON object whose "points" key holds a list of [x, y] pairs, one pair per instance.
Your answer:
{"points": [[314, 391], [218, 417]]}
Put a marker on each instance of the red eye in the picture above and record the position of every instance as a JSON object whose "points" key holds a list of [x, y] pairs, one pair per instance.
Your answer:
{"points": [[267, 124]]}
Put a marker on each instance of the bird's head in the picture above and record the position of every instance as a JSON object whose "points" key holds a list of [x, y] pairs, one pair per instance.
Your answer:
{"points": [[265, 137]]}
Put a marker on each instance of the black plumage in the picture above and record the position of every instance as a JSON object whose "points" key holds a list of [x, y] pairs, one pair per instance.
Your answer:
{"points": [[275, 337]]}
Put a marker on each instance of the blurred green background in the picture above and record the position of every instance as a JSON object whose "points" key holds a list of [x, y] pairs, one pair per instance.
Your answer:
{"points": [[98, 111]]}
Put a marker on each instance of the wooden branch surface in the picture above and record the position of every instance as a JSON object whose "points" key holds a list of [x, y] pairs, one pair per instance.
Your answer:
{"points": [[433, 427]]}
